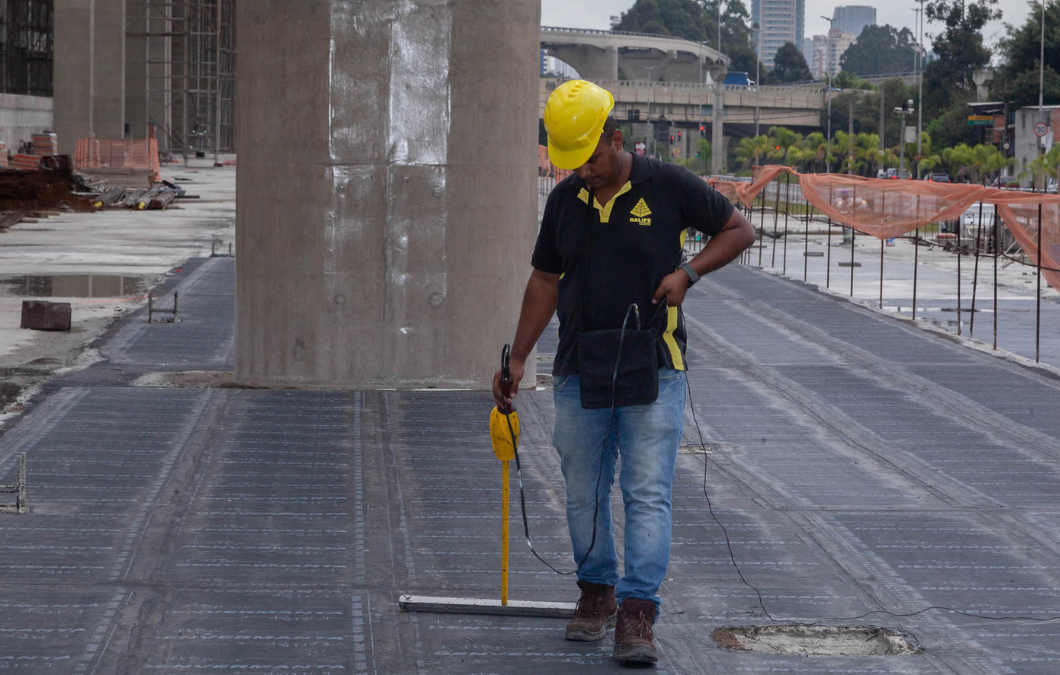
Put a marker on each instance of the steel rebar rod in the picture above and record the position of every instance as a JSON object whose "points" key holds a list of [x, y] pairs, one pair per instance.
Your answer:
{"points": [[787, 209], [1038, 294], [958, 277], [975, 274], [916, 260], [853, 237], [828, 257], [997, 247], [881, 273], [776, 217]]}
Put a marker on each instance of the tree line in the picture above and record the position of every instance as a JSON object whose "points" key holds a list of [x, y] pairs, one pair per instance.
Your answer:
{"points": [[956, 42]]}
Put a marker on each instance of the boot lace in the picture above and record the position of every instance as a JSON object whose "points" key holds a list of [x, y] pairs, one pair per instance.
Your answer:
{"points": [[638, 624], [590, 605]]}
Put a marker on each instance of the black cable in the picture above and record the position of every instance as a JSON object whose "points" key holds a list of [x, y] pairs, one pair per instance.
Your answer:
{"points": [[603, 449], [761, 602]]}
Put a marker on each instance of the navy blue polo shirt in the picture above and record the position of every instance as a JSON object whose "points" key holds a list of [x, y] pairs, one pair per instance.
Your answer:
{"points": [[636, 239]]}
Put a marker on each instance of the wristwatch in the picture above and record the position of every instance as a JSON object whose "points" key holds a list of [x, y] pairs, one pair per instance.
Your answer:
{"points": [[692, 276]]}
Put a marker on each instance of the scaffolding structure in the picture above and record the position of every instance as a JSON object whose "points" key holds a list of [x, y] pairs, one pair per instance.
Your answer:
{"points": [[188, 70], [26, 47]]}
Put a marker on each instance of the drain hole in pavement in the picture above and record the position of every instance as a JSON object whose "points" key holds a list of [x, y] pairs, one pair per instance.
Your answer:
{"points": [[815, 640]]}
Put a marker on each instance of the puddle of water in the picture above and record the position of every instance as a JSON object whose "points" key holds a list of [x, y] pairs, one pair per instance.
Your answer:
{"points": [[75, 286]]}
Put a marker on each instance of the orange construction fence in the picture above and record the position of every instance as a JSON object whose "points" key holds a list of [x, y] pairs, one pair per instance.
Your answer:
{"points": [[891, 208], [139, 155], [546, 169]]}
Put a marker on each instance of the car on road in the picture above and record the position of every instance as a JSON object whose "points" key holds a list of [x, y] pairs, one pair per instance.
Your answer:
{"points": [[1006, 182], [896, 174], [937, 178]]}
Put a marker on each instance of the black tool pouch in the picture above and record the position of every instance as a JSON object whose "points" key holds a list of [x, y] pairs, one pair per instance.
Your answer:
{"points": [[618, 367]]}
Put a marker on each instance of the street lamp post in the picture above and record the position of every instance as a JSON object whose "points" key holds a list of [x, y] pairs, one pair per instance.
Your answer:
{"points": [[758, 72], [906, 109], [920, 96], [828, 95], [651, 128], [1040, 179]]}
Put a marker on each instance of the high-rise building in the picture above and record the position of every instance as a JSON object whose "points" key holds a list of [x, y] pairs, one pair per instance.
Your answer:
{"points": [[807, 51], [853, 19], [827, 52], [780, 21]]}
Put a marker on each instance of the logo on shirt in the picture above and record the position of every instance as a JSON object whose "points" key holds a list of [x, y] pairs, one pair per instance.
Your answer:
{"points": [[640, 214]]}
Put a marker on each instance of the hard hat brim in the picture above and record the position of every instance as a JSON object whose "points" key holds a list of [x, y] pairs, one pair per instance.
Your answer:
{"points": [[569, 159]]}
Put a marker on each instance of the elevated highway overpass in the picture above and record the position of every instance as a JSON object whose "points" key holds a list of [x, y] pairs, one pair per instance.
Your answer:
{"points": [[689, 105], [609, 55], [726, 113]]}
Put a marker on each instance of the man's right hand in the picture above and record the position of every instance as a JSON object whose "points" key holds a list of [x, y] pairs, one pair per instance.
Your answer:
{"points": [[517, 367]]}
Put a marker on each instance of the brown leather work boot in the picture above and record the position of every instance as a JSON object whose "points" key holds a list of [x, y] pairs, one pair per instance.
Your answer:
{"points": [[633, 638], [594, 614]]}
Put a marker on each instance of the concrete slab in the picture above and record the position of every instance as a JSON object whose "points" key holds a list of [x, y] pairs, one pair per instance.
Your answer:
{"points": [[865, 465]]}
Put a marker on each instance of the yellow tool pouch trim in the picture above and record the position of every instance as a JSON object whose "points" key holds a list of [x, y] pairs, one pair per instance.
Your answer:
{"points": [[501, 437]]}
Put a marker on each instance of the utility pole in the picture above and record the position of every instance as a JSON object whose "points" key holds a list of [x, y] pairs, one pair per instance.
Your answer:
{"points": [[828, 95], [906, 109], [883, 142], [1041, 112], [920, 96], [758, 69], [850, 134], [651, 127]]}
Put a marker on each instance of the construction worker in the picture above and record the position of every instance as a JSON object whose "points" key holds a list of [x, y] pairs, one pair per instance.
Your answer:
{"points": [[612, 235]]}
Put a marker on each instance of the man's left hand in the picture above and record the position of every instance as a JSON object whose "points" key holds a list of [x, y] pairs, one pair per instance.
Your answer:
{"points": [[673, 287]]}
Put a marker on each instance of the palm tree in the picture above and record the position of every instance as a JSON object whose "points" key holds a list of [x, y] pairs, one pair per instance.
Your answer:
{"points": [[815, 148], [783, 140], [750, 151]]}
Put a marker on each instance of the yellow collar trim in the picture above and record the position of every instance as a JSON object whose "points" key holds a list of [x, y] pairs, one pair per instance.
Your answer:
{"points": [[605, 210]]}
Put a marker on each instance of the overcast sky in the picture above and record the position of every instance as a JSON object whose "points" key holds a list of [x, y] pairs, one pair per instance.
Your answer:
{"points": [[898, 13]]}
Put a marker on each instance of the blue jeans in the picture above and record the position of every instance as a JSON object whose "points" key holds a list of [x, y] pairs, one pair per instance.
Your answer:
{"points": [[647, 437]]}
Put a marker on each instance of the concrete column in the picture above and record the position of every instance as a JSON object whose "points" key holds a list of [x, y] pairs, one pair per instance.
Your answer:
{"points": [[74, 49], [717, 134], [387, 193], [135, 68], [108, 116]]}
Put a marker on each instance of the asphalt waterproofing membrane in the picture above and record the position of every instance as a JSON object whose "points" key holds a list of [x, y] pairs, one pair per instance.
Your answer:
{"points": [[864, 465]]}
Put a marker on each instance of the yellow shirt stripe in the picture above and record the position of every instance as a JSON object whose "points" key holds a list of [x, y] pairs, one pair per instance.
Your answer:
{"points": [[668, 338], [605, 210]]}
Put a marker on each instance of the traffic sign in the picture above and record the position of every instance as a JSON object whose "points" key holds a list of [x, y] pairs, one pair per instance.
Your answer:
{"points": [[1040, 129]]}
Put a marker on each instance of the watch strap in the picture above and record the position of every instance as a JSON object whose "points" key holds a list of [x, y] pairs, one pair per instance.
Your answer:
{"points": [[692, 276]]}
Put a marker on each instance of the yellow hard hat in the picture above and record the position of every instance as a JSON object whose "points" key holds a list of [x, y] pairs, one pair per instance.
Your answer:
{"points": [[574, 119]]}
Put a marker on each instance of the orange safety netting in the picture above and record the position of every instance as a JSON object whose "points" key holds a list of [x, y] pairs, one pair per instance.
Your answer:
{"points": [[141, 155], [546, 169], [891, 208]]}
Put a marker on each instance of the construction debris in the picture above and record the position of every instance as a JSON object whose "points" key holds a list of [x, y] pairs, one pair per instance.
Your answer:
{"points": [[45, 315]]}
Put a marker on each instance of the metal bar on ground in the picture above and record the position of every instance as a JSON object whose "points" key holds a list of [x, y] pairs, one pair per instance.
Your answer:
{"points": [[424, 603]]}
